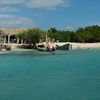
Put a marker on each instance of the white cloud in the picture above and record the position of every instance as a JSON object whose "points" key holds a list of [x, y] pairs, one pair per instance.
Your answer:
{"points": [[12, 21], [6, 9], [46, 4], [10, 2]]}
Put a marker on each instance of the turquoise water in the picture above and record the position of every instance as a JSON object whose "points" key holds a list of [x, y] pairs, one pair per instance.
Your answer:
{"points": [[34, 75]]}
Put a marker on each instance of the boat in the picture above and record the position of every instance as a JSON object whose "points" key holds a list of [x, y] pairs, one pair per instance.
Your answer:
{"points": [[64, 47], [60, 46], [50, 45], [8, 47], [41, 47], [5, 47]]}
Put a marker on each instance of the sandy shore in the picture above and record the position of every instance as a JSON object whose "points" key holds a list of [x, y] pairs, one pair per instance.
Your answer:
{"points": [[15, 47], [74, 46], [85, 45], [80, 45]]}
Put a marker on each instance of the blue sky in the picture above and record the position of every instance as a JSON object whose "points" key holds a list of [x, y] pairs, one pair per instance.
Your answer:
{"points": [[61, 14]]}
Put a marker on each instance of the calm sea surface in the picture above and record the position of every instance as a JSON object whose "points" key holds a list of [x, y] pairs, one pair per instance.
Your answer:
{"points": [[34, 75]]}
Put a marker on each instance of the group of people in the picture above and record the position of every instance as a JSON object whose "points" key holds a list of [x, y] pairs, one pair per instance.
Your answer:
{"points": [[51, 46]]}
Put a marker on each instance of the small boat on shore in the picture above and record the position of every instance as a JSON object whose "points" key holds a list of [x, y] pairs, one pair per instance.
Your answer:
{"points": [[8, 47], [5, 47], [50, 45], [43, 47], [64, 47]]}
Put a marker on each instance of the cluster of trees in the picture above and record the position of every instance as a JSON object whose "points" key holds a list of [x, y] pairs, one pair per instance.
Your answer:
{"points": [[86, 34], [32, 35]]}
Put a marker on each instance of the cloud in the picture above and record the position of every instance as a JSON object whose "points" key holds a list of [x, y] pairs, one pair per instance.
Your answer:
{"points": [[6, 9], [2, 2], [47, 4], [12, 21]]}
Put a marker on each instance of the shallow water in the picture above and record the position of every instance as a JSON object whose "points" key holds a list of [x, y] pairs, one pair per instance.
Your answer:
{"points": [[34, 75]]}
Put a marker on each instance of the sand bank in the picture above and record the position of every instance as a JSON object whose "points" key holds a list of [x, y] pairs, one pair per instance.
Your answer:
{"points": [[85, 45]]}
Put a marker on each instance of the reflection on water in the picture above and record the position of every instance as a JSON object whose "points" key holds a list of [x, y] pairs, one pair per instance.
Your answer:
{"points": [[35, 53]]}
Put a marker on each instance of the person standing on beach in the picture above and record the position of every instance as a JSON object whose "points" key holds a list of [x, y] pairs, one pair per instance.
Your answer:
{"points": [[53, 46]]}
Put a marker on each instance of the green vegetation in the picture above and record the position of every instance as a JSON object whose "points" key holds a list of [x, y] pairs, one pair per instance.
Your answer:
{"points": [[32, 36], [87, 34]]}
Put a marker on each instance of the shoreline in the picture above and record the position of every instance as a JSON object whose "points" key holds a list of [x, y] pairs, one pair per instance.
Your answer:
{"points": [[85, 45], [74, 45]]}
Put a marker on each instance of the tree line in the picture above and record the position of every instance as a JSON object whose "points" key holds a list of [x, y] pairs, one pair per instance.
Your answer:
{"points": [[87, 34]]}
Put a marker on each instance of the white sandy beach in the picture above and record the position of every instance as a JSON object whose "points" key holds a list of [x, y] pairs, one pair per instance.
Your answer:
{"points": [[81, 45], [74, 46], [85, 45]]}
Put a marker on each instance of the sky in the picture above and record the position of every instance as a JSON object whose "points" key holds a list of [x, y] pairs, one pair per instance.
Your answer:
{"points": [[61, 14]]}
